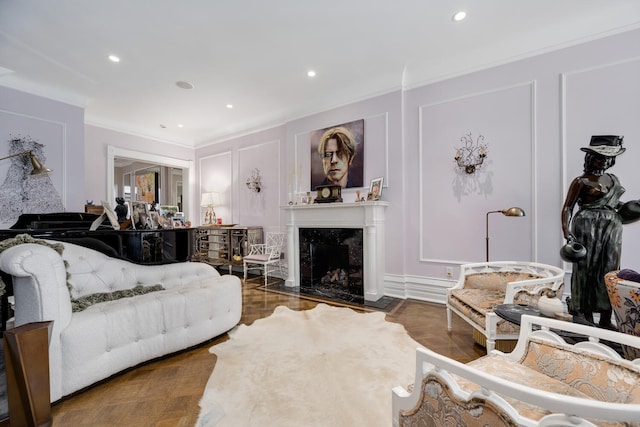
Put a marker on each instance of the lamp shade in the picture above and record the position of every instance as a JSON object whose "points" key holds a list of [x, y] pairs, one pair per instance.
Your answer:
{"points": [[515, 211], [209, 199], [38, 167]]}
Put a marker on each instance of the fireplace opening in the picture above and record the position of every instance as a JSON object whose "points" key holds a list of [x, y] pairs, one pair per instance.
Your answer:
{"points": [[331, 263]]}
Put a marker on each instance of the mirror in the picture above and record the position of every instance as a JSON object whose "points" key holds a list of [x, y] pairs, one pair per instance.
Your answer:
{"points": [[172, 182]]}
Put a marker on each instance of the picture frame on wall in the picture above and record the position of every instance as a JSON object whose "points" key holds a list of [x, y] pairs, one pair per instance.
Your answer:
{"points": [[337, 155], [375, 189], [146, 186]]}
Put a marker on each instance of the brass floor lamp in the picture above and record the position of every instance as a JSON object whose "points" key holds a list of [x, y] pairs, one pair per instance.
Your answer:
{"points": [[515, 211]]}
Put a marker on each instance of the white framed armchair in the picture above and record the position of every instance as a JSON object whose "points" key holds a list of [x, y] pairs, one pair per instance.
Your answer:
{"points": [[482, 286], [265, 256]]}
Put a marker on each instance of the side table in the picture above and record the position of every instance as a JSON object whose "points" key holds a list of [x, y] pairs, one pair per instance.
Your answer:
{"points": [[513, 313]]}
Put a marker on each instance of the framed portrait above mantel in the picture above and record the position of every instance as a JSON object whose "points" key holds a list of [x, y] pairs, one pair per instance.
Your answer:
{"points": [[337, 155], [146, 186]]}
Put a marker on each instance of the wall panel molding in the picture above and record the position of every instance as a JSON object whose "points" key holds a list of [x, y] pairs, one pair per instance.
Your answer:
{"points": [[424, 169]]}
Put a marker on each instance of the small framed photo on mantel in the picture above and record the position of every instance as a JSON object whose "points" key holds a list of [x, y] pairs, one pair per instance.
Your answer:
{"points": [[375, 189]]}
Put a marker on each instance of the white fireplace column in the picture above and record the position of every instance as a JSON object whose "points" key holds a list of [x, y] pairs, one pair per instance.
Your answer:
{"points": [[368, 216]]}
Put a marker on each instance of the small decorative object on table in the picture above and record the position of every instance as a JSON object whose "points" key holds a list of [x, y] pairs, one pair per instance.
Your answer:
{"points": [[375, 189], [549, 305], [328, 194]]}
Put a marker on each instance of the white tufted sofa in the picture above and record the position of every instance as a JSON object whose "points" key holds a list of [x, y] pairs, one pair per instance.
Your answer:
{"points": [[197, 304]]}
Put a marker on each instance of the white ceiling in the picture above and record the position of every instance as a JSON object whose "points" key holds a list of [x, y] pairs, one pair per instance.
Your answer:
{"points": [[255, 54]]}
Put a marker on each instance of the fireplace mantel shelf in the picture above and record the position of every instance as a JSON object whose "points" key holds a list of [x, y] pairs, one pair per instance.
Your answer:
{"points": [[337, 205], [369, 216]]}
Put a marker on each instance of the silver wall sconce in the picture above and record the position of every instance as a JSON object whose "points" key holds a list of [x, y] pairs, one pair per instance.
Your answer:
{"points": [[471, 156], [253, 182]]}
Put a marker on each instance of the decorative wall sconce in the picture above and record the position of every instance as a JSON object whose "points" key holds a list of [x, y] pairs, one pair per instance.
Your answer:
{"points": [[253, 182], [38, 168], [471, 156]]}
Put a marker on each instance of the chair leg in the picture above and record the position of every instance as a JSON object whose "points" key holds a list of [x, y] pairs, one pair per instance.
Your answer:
{"points": [[491, 345], [449, 319], [265, 276], [245, 271]]}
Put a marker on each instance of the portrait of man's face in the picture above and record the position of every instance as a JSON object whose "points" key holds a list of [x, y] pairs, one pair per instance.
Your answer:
{"points": [[337, 155], [335, 162]]}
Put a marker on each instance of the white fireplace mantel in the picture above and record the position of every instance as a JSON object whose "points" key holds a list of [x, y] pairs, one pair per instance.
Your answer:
{"points": [[368, 216]]}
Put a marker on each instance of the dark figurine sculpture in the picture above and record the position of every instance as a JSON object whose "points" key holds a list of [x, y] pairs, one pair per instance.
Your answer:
{"points": [[121, 210], [596, 226]]}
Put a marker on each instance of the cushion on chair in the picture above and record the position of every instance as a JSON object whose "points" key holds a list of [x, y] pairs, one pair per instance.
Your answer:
{"points": [[560, 371], [597, 376], [257, 257], [505, 368], [624, 296], [496, 280], [628, 274], [476, 303]]}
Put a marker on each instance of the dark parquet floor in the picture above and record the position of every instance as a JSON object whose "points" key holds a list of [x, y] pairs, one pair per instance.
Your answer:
{"points": [[166, 392]]}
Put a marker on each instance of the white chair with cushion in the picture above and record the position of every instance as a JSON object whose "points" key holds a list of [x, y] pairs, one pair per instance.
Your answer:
{"points": [[265, 256], [483, 286]]}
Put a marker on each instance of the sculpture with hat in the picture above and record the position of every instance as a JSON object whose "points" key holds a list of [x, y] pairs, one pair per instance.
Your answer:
{"points": [[594, 232]]}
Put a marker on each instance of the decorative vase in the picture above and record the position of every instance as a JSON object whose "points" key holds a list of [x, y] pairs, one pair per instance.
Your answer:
{"points": [[549, 306]]}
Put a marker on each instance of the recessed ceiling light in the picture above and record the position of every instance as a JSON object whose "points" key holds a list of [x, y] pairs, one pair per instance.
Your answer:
{"points": [[230, 106], [114, 58], [184, 85], [311, 73], [163, 126], [459, 16], [180, 125]]}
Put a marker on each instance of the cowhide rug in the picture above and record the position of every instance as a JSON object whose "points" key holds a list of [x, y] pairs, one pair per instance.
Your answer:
{"points": [[322, 367]]}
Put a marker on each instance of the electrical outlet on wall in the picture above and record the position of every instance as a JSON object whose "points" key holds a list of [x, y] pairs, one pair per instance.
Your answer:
{"points": [[449, 272]]}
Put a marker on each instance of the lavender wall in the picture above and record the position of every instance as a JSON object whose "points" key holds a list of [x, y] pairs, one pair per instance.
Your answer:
{"points": [[59, 128], [534, 114], [224, 168]]}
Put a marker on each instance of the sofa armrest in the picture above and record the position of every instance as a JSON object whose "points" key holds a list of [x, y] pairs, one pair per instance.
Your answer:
{"points": [[533, 287], [40, 284]]}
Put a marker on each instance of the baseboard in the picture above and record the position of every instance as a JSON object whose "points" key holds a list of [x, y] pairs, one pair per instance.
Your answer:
{"points": [[416, 287]]}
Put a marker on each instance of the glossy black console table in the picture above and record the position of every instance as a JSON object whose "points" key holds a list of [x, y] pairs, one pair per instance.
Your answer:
{"points": [[139, 246]]}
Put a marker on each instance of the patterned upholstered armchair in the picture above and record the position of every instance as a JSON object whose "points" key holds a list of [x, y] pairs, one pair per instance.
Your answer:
{"points": [[483, 286], [623, 287], [545, 381]]}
